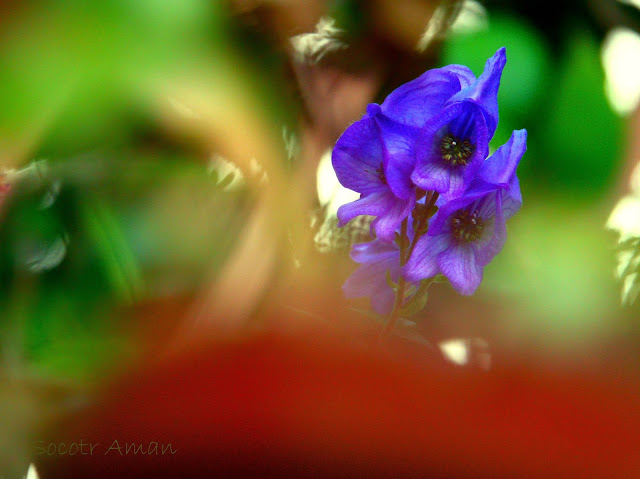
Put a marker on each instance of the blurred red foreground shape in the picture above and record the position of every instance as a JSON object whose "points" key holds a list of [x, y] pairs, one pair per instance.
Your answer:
{"points": [[273, 405]]}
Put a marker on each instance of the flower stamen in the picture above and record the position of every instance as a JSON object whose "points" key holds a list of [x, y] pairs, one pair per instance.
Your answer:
{"points": [[455, 151], [466, 227]]}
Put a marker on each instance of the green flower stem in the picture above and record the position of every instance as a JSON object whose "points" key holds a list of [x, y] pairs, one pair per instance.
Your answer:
{"points": [[423, 224], [424, 286], [395, 312]]}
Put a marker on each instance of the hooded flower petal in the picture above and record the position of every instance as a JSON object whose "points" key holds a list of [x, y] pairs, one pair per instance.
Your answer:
{"points": [[386, 225], [510, 205], [500, 168], [424, 260], [374, 154], [378, 259], [495, 229], [464, 74], [389, 209], [459, 264], [358, 158], [375, 157], [399, 156], [417, 101], [484, 90], [373, 251], [370, 279], [372, 205], [451, 149]]}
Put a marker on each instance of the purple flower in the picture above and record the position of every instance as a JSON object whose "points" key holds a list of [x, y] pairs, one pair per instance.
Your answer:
{"points": [[467, 232], [380, 261], [430, 135], [375, 156], [370, 279], [454, 142], [417, 101]]}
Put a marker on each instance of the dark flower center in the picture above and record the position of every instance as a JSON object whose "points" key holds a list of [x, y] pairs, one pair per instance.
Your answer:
{"points": [[455, 151], [466, 226]]}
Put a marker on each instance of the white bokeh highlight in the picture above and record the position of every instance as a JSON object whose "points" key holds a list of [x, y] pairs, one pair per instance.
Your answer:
{"points": [[621, 61]]}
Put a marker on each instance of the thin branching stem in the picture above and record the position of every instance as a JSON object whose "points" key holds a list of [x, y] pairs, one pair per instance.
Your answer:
{"points": [[395, 312], [405, 254], [397, 304], [422, 224]]}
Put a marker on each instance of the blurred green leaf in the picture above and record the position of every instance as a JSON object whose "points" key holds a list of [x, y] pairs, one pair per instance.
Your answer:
{"points": [[581, 137], [527, 72], [116, 256]]}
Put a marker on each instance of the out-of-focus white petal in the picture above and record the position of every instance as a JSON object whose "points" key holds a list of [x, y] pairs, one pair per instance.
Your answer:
{"points": [[48, 257], [223, 168], [472, 18], [625, 218], [311, 47]]}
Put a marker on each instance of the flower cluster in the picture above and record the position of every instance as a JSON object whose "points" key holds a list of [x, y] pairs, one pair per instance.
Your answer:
{"points": [[419, 161]]}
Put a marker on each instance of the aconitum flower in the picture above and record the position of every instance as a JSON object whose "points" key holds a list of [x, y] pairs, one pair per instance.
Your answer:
{"points": [[375, 156], [370, 280], [417, 101], [380, 262], [467, 232], [454, 142]]}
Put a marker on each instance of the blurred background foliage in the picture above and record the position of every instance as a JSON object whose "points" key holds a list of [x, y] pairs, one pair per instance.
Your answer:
{"points": [[113, 115]]}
